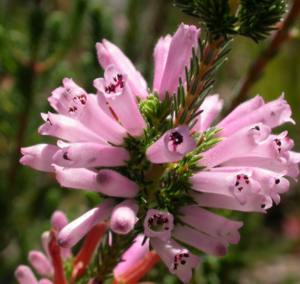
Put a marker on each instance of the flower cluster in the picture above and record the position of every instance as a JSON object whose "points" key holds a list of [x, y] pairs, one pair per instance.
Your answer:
{"points": [[50, 264], [157, 177]]}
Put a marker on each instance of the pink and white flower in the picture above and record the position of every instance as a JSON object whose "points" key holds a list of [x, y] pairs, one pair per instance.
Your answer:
{"points": [[124, 217], [178, 259], [42, 262], [107, 144], [172, 146]]}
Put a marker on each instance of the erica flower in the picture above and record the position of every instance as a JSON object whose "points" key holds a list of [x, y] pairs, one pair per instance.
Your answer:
{"points": [[157, 167], [50, 263], [45, 263], [246, 170], [172, 146]]}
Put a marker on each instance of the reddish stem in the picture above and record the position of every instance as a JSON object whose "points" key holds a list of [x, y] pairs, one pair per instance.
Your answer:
{"points": [[87, 250], [54, 250]]}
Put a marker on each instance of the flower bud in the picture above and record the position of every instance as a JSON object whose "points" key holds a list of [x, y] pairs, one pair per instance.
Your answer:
{"points": [[40, 263], [24, 275], [123, 217], [58, 220]]}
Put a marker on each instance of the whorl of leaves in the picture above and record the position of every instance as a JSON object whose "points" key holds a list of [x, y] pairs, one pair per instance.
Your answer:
{"points": [[224, 18], [257, 17]]}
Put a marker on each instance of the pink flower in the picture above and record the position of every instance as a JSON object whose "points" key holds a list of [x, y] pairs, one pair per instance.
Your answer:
{"points": [[158, 224], [178, 259], [272, 114], [123, 217], [209, 109], [43, 262], [109, 54], [211, 223], [108, 182], [172, 146], [39, 157], [114, 87], [247, 170], [58, 220], [171, 56], [89, 155], [40, 263], [24, 275], [77, 229], [45, 281], [72, 101], [131, 256]]}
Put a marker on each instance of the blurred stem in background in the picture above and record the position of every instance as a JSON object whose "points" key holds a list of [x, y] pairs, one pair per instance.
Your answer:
{"points": [[257, 68], [38, 40]]}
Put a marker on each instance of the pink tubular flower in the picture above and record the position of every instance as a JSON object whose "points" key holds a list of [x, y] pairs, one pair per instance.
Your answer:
{"points": [[108, 182], [161, 51], [131, 256], [158, 224], [247, 170], [123, 217], [271, 114], [45, 281], [64, 127], [44, 263], [24, 275], [58, 220], [208, 244], [179, 261], [77, 229], [40, 263], [72, 101], [209, 109], [172, 146], [211, 224], [109, 54], [39, 157], [114, 87], [89, 154], [171, 56]]}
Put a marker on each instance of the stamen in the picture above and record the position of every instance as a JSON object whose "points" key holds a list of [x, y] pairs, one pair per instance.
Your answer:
{"points": [[48, 120], [176, 139], [119, 82], [73, 109], [65, 156], [180, 258]]}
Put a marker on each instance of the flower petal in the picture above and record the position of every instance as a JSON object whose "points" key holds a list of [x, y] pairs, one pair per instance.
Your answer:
{"points": [[39, 157], [89, 154], [108, 182], [110, 54], [77, 229], [211, 224]]}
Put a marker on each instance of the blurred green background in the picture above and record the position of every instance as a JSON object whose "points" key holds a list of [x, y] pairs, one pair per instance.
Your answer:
{"points": [[42, 42]]}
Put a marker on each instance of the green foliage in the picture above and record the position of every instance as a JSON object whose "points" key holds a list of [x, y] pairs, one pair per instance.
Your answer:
{"points": [[225, 18], [110, 252], [258, 17], [214, 15]]}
